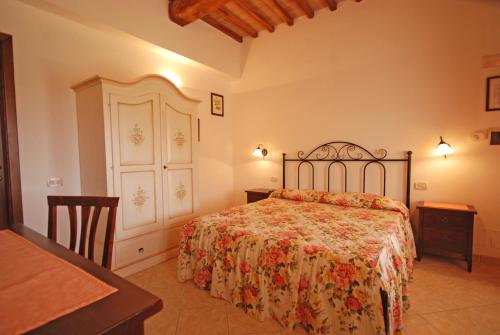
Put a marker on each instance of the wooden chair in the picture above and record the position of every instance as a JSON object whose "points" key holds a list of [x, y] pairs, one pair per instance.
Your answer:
{"points": [[86, 203]]}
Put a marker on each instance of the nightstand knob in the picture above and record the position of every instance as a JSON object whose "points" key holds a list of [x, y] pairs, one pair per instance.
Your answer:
{"points": [[444, 219]]}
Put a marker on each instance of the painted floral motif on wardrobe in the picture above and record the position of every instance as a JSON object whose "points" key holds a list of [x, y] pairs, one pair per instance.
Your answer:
{"points": [[179, 138], [181, 191], [136, 135], [139, 197]]}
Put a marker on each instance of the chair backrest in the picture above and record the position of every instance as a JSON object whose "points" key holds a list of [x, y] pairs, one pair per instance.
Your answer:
{"points": [[86, 203]]}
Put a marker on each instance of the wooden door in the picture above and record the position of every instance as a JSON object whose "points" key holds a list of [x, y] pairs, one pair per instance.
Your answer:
{"points": [[135, 128], [4, 214], [179, 175], [10, 179]]}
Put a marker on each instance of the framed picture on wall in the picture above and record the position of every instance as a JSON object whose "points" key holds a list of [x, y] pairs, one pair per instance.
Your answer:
{"points": [[493, 94], [217, 104]]}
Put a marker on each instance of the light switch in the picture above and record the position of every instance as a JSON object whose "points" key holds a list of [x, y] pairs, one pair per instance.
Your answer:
{"points": [[274, 179], [420, 185], [55, 182]]}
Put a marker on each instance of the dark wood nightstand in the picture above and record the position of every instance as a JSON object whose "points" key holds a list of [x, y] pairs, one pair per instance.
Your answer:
{"points": [[445, 229], [257, 194]]}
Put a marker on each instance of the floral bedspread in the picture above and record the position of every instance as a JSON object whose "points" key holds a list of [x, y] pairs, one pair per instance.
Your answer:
{"points": [[305, 257]]}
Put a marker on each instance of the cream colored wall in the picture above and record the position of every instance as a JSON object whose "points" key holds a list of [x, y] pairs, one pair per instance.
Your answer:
{"points": [[149, 21], [52, 53], [391, 73]]}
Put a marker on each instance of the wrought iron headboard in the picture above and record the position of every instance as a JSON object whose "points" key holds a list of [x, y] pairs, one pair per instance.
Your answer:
{"points": [[339, 152]]}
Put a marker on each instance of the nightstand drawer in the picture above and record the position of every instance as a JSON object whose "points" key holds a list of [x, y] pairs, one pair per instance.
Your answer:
{"points": [[446, 220], [444, 240]]}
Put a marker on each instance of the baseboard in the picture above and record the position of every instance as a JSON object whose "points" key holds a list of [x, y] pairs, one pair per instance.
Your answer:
{"points": [[147, 263], [486, 259]]}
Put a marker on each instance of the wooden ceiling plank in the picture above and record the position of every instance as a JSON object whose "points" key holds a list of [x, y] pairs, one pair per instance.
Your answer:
{"points": [[254, 14], [184, 12], [305, 7], [217, 25], [233, 19], [279, 11], [332, 4]]}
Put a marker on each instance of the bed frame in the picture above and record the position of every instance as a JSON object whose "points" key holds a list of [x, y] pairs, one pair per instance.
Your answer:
{"points": [[344, 153]]}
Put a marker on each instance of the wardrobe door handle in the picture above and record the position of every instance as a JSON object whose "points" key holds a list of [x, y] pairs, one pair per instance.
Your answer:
{"points": [[164, 167]]}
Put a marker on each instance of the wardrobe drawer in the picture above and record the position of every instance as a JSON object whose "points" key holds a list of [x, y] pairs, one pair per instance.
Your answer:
{"points": [[136, 249]]}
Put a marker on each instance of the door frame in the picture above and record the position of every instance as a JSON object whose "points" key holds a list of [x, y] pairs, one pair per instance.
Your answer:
{"points": [[8, 122]]}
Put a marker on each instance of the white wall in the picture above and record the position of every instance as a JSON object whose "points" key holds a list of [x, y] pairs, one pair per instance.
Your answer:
{"points": [[149, 21], [51, 53], [392, 74]]}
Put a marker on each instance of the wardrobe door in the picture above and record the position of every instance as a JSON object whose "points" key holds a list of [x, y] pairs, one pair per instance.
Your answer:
{"points": [[178, 163], [135, 128]]}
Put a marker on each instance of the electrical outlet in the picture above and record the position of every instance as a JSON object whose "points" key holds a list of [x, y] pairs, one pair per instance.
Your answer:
{"points": [[274, 179], [55, 182], [420, 185]]}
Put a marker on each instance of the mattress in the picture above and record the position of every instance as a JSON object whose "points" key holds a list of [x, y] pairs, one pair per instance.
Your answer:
{"points": [[315, 259]]}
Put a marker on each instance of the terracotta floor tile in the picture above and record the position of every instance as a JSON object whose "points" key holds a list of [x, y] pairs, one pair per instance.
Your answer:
{"points": [[241, 324], [415, 324], [163, 323], [156, 281], [488, 316], [433, 299], [194, 297], [203, 321], [470, 321]]}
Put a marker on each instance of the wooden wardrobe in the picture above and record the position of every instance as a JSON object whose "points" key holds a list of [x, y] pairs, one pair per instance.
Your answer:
{"points": [[137, 142]]}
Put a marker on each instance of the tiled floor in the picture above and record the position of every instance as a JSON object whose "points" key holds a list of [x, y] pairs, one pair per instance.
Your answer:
{"points": [[445, 300]]}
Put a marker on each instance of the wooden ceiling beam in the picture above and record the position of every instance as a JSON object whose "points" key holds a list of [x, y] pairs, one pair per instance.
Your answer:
{"points": [[332, 4], [254, 14], [491, 61], [305, 7], [217, 25], [233, 19], [279, 11], [184, 12]]}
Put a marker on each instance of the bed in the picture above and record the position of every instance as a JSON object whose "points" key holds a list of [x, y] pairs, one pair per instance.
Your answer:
{"points": [[334, 263]]}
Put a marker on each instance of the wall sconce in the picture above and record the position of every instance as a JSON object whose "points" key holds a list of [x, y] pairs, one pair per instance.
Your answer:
{"points": [[443, 148], [260, 151]]}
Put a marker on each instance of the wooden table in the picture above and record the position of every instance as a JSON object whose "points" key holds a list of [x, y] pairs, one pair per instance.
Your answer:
{"points": [[122, 312]]}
